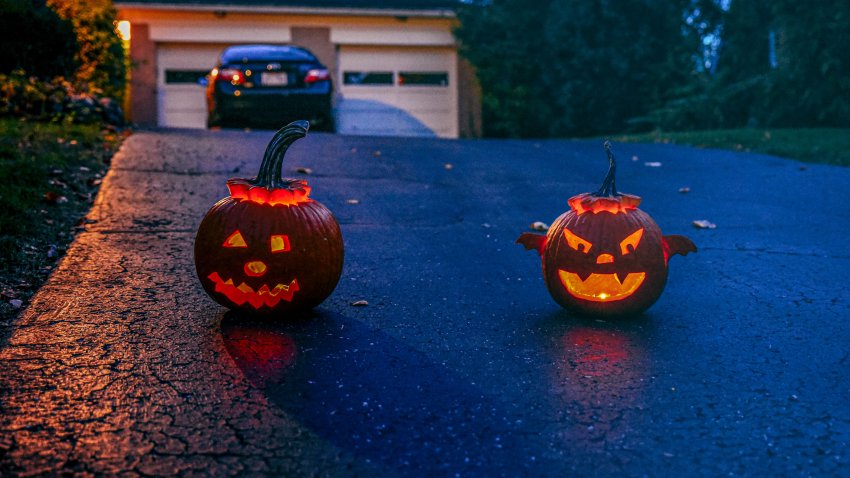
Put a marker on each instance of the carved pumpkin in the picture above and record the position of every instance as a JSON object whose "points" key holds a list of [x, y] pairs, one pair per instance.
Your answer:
{"points": [[268, 247], [605, 256]]}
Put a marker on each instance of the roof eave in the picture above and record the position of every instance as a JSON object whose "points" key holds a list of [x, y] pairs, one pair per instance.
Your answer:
{"points": [[292, 10]]}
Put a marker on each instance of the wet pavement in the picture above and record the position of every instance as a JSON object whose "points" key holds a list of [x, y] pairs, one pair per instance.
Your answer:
{"points": [[461, 364]]}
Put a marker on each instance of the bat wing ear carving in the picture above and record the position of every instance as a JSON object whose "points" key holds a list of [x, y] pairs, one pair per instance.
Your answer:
{"points": [[532, 241], [676, 244]]}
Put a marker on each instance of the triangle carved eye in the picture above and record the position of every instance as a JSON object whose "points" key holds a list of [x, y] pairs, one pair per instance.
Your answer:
{"points": [[235, 240], [577, 242], [631, 241]]}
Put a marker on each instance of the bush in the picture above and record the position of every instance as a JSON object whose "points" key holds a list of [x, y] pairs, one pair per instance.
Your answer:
{"points": [[28, 97], [101, 56], [37, 40]]}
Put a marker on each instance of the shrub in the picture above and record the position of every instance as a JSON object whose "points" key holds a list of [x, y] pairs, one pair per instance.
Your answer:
{"points": [[37, 40], [29, 97]]}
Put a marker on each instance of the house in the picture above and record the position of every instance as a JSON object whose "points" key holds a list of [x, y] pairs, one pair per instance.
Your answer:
{"points": [[417, 84]]}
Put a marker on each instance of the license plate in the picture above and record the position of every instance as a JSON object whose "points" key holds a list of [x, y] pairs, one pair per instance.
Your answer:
{"points": [[274, 79]]}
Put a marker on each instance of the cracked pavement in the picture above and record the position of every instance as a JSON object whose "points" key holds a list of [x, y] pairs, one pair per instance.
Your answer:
{"points": [[461, 364]]}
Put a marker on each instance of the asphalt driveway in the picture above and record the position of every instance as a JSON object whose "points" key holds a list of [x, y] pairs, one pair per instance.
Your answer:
{"points": [[460, 364]]}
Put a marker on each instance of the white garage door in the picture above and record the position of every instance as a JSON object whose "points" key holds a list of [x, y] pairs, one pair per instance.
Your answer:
{"points": [[397, 91], [181, 101]]}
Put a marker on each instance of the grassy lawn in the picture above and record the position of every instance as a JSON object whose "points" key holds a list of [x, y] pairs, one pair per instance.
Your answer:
{"points": [[49, 175], [814, 145]]}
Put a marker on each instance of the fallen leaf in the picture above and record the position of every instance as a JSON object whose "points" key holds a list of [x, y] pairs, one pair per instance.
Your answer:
{"points": [[303, 170], [73, 142], [84, 169], [16, 303], [704, 224], [94, 181], [359, 303], [52, 252], [684, 190], [652, 164], [54, 198], [539, 226], [352, 201]]}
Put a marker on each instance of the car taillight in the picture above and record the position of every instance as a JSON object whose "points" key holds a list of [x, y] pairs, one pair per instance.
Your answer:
{"points": [[231, 75], [317, 74]]}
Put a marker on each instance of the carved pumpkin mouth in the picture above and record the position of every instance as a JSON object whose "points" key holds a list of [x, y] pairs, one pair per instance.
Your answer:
{"points": [[265, 295], [601, 287]]}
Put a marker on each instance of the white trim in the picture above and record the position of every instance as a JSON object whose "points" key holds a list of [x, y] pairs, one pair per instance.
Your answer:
{"points": [[355, 12]]}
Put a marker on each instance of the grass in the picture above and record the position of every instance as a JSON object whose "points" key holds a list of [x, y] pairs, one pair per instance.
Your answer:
{"points": [[49, 175], [812, 145]]}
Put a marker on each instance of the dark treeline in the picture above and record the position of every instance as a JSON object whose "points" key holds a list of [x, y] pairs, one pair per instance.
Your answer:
{"points": [[589, 67]]}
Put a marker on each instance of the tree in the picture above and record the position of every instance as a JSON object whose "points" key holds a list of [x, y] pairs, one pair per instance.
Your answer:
{"points": [[36, 40], [101, 55], [783, 63], [578, 68], [810, 85]]}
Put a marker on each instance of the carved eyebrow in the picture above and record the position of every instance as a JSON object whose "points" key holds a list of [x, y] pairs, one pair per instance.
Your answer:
{"points": [[633, 240], [575, 241]]}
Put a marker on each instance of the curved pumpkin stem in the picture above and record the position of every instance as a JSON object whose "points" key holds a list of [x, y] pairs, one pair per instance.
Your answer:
{"points": [[609, 188], [271, 167]]}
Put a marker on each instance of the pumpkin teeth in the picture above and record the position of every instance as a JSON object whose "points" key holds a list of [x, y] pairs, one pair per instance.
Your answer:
{"points": [[621, 277], [262, 296], [601, 287], [583, 275]]}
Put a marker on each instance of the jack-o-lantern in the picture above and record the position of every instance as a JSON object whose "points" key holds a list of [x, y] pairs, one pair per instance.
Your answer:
{"points": [[268, 247], [605, 256]]}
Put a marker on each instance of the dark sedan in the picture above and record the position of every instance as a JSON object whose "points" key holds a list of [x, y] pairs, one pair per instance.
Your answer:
{"points": [[269, 85]]}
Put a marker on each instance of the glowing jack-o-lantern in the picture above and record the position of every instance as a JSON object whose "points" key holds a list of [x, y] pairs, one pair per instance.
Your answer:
{"points": [[605, 256], [268, 247]]}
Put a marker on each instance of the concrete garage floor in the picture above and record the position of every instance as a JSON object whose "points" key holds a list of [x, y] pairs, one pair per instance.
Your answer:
{"points": [[461, 364]]}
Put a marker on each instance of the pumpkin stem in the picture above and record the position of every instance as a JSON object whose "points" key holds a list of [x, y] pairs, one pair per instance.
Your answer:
{"points": [[271, 167], [609, 187]]}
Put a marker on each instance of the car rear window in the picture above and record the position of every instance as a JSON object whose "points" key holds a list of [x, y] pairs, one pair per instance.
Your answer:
{"points": [[244, 54]]}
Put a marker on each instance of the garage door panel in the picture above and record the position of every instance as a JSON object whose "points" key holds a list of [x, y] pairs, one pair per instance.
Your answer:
{"points": [[192, 98], [181, 100], [419, 110]]}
